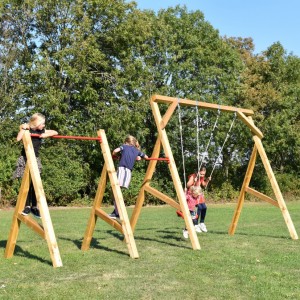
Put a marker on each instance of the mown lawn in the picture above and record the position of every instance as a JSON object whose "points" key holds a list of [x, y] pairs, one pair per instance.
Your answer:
{"points": [[260, 261]]}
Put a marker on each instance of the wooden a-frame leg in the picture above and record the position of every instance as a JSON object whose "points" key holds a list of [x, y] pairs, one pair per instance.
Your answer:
{"points": [[141, 197], [276, 188], [126, 228], [175, 177], [15, 226], [41, 200], [93, 216], [241, 198]]}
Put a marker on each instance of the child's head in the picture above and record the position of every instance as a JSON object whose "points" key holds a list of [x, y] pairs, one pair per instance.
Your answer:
{"points": [[195, 191], [202, 171], [37, 121], [132, 141]]}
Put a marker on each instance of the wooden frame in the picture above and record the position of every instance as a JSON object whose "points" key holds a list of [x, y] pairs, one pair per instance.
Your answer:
{"points": [[46, 229], [123, 225], [162, 140]]}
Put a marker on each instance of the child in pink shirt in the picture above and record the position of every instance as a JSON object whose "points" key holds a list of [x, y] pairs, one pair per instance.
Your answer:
{"points": [[193, 197]]}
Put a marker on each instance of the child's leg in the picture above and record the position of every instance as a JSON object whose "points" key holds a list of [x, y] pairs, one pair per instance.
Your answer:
{"points": [[202, 208], [31, 198]]}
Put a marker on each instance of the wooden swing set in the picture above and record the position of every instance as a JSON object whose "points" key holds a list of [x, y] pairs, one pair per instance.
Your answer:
{"points": [[162, 141], [125, 226]]}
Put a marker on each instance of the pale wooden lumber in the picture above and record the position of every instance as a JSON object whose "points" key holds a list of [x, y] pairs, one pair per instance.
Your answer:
{"points": [[276, 188], [112, 174], [187, 102], [93, 216], [249, 122], [162, 197], [41, 200], [46, 232], [241, 197], [175, 176], [105, 217], [15, 226], [141, 196], [261, 196]]}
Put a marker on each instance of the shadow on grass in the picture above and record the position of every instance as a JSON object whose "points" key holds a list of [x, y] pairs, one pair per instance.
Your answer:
{"points": [[22, 253], [94, 244], [167, 237], [249, 234]]}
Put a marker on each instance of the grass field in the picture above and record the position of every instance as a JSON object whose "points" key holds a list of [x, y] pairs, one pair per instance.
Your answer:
{"points": [[260, 261]]}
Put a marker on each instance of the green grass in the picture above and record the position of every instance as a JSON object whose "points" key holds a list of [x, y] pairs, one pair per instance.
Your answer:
{"points": [[260, 261]]}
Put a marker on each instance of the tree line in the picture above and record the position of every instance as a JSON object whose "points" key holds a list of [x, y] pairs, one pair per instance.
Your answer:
{"points": [[94, 64]]}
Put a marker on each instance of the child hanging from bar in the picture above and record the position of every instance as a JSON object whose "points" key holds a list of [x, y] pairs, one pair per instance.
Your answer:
{"points": [[36, 125], [130, 152], [192, 198]]}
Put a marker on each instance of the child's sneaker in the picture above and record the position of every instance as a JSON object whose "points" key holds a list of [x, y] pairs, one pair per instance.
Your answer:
{"points": [[203, 227], [185, 233], [26, 211], [113, 215], [36, 212], [198, 229]]}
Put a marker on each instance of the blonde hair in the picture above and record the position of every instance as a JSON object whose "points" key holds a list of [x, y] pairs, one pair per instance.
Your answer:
{"points": [[196, 190], [132, 141], [36, 119]]}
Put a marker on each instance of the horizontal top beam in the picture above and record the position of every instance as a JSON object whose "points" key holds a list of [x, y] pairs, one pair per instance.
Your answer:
{"points": [[187, 102]]}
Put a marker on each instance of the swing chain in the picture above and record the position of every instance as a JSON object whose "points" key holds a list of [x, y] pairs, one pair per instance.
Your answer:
{"points": [[221, 149]]}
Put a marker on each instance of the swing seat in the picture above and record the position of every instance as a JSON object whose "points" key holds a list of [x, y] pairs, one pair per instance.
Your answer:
{"points": [[180, 214]]}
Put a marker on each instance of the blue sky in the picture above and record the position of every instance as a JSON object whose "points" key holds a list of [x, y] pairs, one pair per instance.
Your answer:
{"points": [[266, 21]]}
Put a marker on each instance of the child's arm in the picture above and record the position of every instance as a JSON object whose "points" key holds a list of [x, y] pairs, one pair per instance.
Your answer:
{"points": [[23, 127], [117, 150], [190, 181], [206, 181], [48, 133]]}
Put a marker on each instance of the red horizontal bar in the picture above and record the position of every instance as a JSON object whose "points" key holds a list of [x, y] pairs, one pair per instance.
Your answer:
{"points": [[73, 137], [159, 159], [149, 158]]}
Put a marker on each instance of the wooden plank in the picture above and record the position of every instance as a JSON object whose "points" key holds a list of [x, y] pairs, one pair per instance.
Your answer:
{"points": [[211, 106], [35, 226], [249, 122], [162, 196], [168, 115], [105, 217], [175, 177], [126, 228], [241, 197], [93, 217], [41, 199], [15, 226], [261, 196], [141, 196], [276, 188]]}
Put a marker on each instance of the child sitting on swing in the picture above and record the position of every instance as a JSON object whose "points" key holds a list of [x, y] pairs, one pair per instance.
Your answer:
{"points": [[198, 179], [192, 198]]}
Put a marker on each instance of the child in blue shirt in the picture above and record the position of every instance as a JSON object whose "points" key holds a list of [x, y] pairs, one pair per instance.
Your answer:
{"points": [[130, 152]]}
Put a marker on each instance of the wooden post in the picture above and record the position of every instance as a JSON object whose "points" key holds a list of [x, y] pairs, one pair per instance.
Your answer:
{"points": [[175, 176], [241, 198], [147, 179], [93, 216], [15, 226], [276, 188]]}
